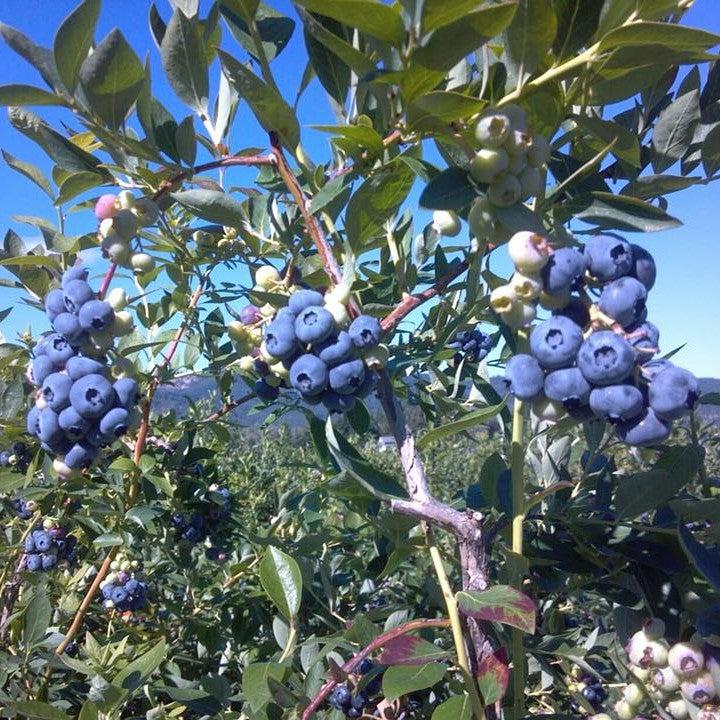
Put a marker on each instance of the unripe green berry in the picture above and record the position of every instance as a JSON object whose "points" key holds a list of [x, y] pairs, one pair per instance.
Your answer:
{"points": [[339, 294], [123, 323], [493, 130], [521, 315], [246, 363], [237, 331], [505, 191], [119, 253], [678, 709], [267, 277], [481, 218], [146, 211], [125, 200], [686, 659], [633, 695], [641, 673], [526, 288], [376, 358], [142, 263], [280, 371], [503, 299], [121, 368], [539, 152], [62, 470], [115, 565], [549, 410], [117, 299], [665, 679], [517, 164], [530, 180], [517, 116], [600, 716], [488, 164], [106, 229], [518, 143], [125, 224], [31, 505], [624, 710], [256, 335], [339, 313], [446, 222]]}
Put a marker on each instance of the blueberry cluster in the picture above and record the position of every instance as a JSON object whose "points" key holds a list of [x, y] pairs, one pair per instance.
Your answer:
{"points": [[681, 677], [471, 345], [24, 509], [589, 686], [353, 704], [78, 408], [203, 521], [592, 359], [121, 589], [121, 216], [306, 347], [18, 457], [47, 545]]}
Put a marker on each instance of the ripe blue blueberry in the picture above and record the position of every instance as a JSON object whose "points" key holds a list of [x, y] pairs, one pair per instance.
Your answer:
{"points": [[672, 393], [41, 367], [115, 422], [340, 697], [96, 315], [265, 392], [48, 561], [643, 266], [92, 395], [302, 299], [118, 595], [368, 385], [365, 666], [624, 301], [617, 403], [128, 392], [524, 377], [67, 325], [58, 445], [76, 294], [34, 563], [80, 455], [58, 349], [335, 349], [54, 303], [645, 431], [74, 425], [309, 375], [577, 311], [348, 377], [5, 458], [653, 368], [314, 324], [49, 429], [33, 420], [360, 701], [605, 358], [608, 258], [337, 403], [280, 339], [569, 387], [285, 313], [645, 339], [56, 391], [79, 366], [41, 540], [556, 341], [77, 272], [365, 331], [564, 268]]}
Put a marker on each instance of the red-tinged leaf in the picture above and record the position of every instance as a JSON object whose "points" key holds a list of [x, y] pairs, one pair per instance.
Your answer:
{"points": [[410, 650], [500, 603], [493, 676]]}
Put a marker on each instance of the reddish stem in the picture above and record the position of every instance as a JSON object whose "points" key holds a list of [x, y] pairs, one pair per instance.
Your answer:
{"points": [[355, 660], [106, 280]]}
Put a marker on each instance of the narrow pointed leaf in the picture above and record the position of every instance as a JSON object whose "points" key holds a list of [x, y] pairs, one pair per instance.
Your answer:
{"points": [[73, 41], [468, 421], [28, 95], [500, 603]]}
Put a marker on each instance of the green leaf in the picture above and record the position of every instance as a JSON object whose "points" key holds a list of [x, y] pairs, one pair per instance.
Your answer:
{"points": [[185, 140], [183, 58], [76, 183], [112, 78], [133, 675], [331, 71], [30, 171], [401, 680], [34, 260], [647, 187], [470, 420], [73, 40], [255, 684], [671, 35], [37, 618], [268, 106], [360, 136], [499, 603], [707, 561], [493, 676], [211, 205], [35, 709], [577, 23], [436, 13], [39, 57], [710, 151], [88, 711], [617, 211], [369, 16], [456, 707], [529, 36], [674, 130], [449, 190], [273, 28], [437, 110], [328, 193], [410, 650], [281, 579], [449, 44], [626, 147], [376, 201], [28, 95]]}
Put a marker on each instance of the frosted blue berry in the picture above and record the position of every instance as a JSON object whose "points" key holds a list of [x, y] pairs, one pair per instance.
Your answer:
{"points": [[92, 395], [617, 403], [608, 258], [34, 563], [128, 392], [77, 272], [314, 324], [115, 422], [118, 595], [304, 299], [605, 358], [309, 375], [54, 303], [347, 377], [569, 387], [556, 341], [280, 339], [33, 420], [673, 392], [68, 325], [645, 339], [335, 349], [643, 266], [624, 301], [96, 315], [524, 377], [564, 268], [79, 366], [80, 455], [646, 431], [76, 294], [41, 540], [74, 425], [56, 391], [365, 331], [58, 349], [48, 561], [41, 367]]}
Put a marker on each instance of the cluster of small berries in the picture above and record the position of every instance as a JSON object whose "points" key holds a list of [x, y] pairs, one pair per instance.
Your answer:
{"points": [[592, 360], [224, 245], [588, 685], [471, 345], [24, 509], [121, 216], [47, 545], [204, 520], [305, 346], [679, 676], [353, 704], [121, 589], [18, 457], [77, 408]]}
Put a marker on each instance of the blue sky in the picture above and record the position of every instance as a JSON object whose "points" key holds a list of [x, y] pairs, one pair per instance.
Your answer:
{"points": [[683, 303]]}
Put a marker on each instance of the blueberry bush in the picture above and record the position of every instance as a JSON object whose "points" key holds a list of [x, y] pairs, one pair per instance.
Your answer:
{"points": [[500, 499]]}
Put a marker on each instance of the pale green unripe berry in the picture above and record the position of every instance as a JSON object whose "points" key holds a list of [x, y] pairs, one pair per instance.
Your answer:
{"points": [[520, 316], [339, 294], [505, 191], [624, 710], [503, 299], [48, 523], [115, 565], [665, 679], [256, 335], [481, 218], [230, 233], [528, 251], [280, 371], [686, 659], [31, 505], [530, 180], [339, 313], [446, 222], [376, 358], [267, 277], [517, 164], [117, 299], [526, 288], [202, 238], [125, 566], [518, 143], [246, 363], [123, 323], [119, 253], [488, 163], [492, 130], [698, 690], [641, 673], [103, 341], [146, 211], [126, 225], [125, 200], [517, 116], [237, 331], [142, 263], [633, 695], [600, 716], [112, 578], [678, 709], [539, 152], [106, 229], [62, 470], [549, 410]]}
